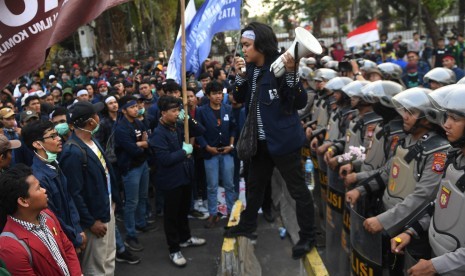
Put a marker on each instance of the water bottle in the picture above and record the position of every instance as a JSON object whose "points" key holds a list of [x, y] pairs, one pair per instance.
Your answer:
{"points": [[282, 232], [309, 174]]}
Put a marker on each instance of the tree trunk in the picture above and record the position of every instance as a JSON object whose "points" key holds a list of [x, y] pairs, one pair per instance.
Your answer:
{"points": [[461, 23], [385, 15]]}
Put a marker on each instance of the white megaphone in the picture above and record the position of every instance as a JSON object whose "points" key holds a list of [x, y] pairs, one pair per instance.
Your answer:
{"points": [[307, 43]]}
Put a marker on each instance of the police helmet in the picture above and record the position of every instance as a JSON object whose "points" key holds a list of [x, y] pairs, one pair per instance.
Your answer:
{"points": [[390, 70], [305, 73], [441, 75], [436, 114], [414, 101], [366, 64], [337, 83], [310, 61], [325, 60], [381, 91], [354, 89], [333, 64], [324, 74]]}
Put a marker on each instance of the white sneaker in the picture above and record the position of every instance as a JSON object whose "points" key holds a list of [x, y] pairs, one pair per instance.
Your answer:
{"points": [[178, 259], [199, 206], [193, 241]]}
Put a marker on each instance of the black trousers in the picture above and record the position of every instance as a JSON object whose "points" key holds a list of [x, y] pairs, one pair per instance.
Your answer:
{"points": [[267, 200], [260, 172], [176, 210]]}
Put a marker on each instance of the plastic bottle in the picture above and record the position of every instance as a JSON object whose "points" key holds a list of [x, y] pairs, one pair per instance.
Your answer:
{"points": [[282, 232], [309, 174]]}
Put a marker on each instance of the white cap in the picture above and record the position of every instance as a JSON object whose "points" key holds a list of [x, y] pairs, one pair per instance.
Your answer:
{"points": [[51, 77]]}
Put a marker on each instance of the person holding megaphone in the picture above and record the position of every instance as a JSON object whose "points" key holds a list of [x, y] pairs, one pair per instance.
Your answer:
{"points": [[272, 135]]}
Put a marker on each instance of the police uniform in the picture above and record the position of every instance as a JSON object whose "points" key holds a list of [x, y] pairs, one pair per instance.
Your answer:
{"points": [[447, 227], [413, 176]]}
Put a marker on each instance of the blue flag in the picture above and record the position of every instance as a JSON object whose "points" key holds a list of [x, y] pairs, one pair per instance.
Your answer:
{"points": [[213, 17]]}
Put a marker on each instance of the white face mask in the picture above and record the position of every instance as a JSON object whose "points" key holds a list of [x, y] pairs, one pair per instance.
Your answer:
{"points": [[104, 93]]}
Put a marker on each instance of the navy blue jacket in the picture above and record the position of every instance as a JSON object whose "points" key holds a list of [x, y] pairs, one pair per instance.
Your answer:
{"points": [[59, 199], [126, 148], [215, 135], [174, 169], [283, 131], [88, 186], [24, 154]]}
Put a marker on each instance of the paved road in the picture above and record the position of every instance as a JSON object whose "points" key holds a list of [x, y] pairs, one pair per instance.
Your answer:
{"points": [[273, 253]]}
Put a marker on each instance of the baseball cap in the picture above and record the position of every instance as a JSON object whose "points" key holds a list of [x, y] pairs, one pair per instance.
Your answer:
{"points": [[62, 67], [101, 82], [82, 111], [6, 112], [28, 114], [51, 77], [6, 144], [448, 56]]}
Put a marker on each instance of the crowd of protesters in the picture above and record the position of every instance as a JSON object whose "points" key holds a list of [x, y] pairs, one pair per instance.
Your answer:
{"points": [[84, 146]]}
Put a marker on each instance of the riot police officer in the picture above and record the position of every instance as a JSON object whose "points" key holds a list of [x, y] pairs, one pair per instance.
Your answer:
{"points": [[446, 227], [438, 77]]}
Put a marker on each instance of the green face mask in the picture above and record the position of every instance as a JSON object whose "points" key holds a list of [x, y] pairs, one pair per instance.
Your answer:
{"points": [[141, 111], [50, 155], [62, 129], [95, 129]]}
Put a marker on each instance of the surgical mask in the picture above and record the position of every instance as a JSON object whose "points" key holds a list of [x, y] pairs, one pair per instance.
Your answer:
{"points": [[104, 94], [62, 129], [141, 111], [51, 157], [95, 129], [153, 90]]}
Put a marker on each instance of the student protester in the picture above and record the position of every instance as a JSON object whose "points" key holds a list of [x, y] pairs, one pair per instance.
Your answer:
{"points": [[42, 138], [24, 154], [92, 185], [10, 127], [174, 176], [59, 118], [32, 241], [6, 152], [131, 148], [275, 102], [218, 143]]}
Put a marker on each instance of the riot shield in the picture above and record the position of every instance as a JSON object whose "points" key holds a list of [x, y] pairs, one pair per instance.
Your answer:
{"points": [[409, 261], [366, 248], [335, 255]]}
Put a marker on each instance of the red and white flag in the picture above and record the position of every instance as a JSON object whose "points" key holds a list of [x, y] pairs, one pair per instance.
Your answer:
{"points": [[29, 28], [363, 34]]}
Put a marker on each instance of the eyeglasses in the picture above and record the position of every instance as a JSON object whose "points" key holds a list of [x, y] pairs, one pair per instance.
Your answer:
{"points": [[52, 136], [410, 57]]}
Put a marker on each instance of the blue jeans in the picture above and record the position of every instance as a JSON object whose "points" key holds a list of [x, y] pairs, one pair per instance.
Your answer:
{"points": [[220, 164], [136, 187], [120, 248]]}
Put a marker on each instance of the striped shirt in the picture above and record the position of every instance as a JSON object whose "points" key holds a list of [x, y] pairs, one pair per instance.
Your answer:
{"points": [[45, 235], [256, 71]]}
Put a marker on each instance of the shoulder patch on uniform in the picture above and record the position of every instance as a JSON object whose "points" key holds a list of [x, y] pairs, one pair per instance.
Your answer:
{"points": [[394, 142], [444, 197], [439, 160]]}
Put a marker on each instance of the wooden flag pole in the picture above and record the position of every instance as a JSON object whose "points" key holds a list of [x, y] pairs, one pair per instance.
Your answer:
{"points": [[183, 71]]}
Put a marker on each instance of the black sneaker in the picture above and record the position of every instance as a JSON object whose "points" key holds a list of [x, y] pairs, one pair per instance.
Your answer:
{"points": [[127, 257], [150, 227], [302, 247], [198, 215], [236, 231], [133, 244]]}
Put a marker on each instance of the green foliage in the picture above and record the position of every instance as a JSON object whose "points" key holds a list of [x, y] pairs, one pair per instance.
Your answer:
{"points": [[437, 7]]}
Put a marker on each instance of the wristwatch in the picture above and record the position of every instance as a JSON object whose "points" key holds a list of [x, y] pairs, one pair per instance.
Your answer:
{"points": [[358, 73], [232, 146]]}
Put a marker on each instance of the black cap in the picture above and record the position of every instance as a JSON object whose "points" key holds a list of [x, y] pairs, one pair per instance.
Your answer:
{"points": [[82, 111]]}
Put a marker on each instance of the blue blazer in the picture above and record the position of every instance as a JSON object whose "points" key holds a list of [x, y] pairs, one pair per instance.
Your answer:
{"points": [[59, 199], [278, 108], [88, 187], [215, 135], [173, 168]]}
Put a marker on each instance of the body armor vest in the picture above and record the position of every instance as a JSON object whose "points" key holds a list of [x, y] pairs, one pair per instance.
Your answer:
{"points": [[407, 166], [375, 152], [332, 131], [447, 227]]}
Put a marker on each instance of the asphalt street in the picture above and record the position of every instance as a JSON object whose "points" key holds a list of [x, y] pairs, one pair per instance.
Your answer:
{"points": [[273, 253]]}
